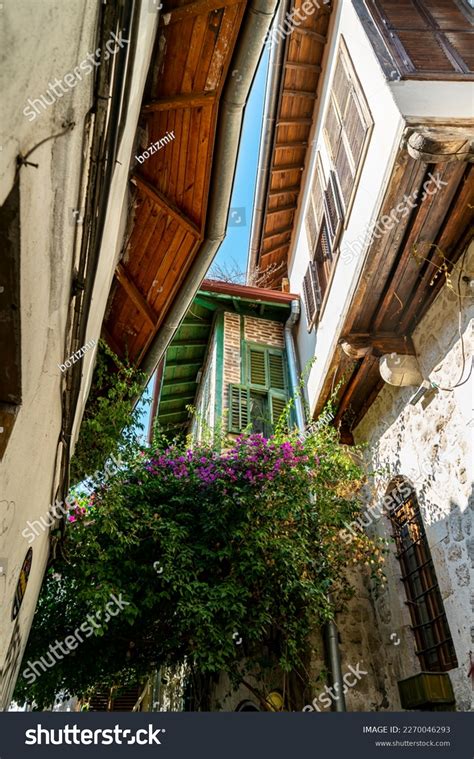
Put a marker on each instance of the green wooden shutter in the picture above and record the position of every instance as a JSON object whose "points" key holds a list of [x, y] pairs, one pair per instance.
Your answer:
{"points": [[257, 367], [276, 370], [239, 406], [278, 403]]}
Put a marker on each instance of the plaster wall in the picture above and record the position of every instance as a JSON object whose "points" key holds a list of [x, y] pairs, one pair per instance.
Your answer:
{"points": [[42, 42]]}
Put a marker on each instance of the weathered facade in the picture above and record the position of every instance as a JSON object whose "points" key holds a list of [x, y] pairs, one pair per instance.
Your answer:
{"points": [[380, 250]]}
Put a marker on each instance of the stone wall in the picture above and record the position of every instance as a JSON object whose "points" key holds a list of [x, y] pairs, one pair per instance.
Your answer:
{"points": [[430, 444]]}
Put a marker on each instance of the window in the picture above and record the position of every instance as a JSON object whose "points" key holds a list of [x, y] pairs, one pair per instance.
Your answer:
{"points": [[10, 315], [428, 39], [434, 645], [347, 126], [261, 400]]}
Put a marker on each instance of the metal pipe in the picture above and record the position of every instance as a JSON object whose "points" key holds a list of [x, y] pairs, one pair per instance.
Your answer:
{"points": [[272, 92], [334, 661], [331, 633], [256, 23], [293, 362]]}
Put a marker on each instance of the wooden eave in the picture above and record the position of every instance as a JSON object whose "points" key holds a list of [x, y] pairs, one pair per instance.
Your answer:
{"points": [[296, 110], [401, 276], [169, 189], [187, 351]]}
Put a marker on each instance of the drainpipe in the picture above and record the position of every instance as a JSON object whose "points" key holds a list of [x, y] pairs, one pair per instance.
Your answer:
{"points": [[293, 363], [231, 111], [334, 661], [331, 634], [272, 92]]}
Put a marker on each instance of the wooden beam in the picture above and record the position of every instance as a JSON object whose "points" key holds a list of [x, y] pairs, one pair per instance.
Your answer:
{"points": [[283, 190], [281, 209], [196, 8], [310, 33], [294, 120], [167, 205], [184, 344], [358, 344], [135, 295], [295, 145], [287, 167], [302, 65], [183, 415], [191, 100], [184, 362], [278, 246], [300, 93], [177, 383], [177, 397], [277, 232]]}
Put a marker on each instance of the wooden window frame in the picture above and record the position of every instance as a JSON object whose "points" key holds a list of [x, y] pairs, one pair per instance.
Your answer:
{"points": [[267, 391], [418, 574]]}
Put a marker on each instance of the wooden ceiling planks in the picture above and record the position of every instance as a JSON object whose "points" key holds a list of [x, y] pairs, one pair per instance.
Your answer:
{"points": [[298, 93], [195, 42]]}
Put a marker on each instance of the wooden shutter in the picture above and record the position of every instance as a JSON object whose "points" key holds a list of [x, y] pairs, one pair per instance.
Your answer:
{"points": [[277, 406], [346, 127], [333, 208], [311, 294], [315, 206], [276, 371], [427, 38], [239, 406], [257, 367]]}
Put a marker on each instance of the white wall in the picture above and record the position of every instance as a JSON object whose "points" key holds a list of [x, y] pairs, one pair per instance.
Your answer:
{"points": [[384, 141], [42, 41]]}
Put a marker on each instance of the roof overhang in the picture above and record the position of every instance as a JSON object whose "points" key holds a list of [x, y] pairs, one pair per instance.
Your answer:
{"points": [[174, 220], [403, 271]]}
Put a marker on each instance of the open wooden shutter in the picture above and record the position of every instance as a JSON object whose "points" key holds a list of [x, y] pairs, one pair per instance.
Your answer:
{"points": [[346, 128], [312, 294], [333, 209], [239, 408], [257, 367], [427, 38], [276, 365], [315, 206], [278, 403]]}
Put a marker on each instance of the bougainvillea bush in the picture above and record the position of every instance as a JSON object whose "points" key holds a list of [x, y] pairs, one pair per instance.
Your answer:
{"points": [[203, 542]]}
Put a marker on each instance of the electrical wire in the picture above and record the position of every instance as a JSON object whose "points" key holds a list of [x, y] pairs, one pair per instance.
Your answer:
{"points": [[461, 336]]}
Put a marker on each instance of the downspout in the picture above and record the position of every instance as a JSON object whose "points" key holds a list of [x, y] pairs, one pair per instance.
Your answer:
{"points": [[331, 634], [231, 110], [293, 363], [272, 92], [334, 661]]}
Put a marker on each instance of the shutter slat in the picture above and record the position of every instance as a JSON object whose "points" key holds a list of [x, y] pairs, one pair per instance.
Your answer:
{"points": [[277, 371], [257, 368], [238, 408], [333, 207], [308, 296], [277, 407]]}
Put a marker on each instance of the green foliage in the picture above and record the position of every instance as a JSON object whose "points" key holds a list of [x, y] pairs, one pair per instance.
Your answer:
{"points": [[110, 422], [202, 544]]}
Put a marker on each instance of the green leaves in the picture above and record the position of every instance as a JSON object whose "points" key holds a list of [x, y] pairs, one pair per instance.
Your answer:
{"points": [[202, 544]]}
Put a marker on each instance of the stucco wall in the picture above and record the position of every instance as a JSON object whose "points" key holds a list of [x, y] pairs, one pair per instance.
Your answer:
{"points": [[431, 444], [42, 42]]}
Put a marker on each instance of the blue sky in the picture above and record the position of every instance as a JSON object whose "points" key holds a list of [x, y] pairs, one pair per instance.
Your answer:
{"points": [[236, 244]]}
